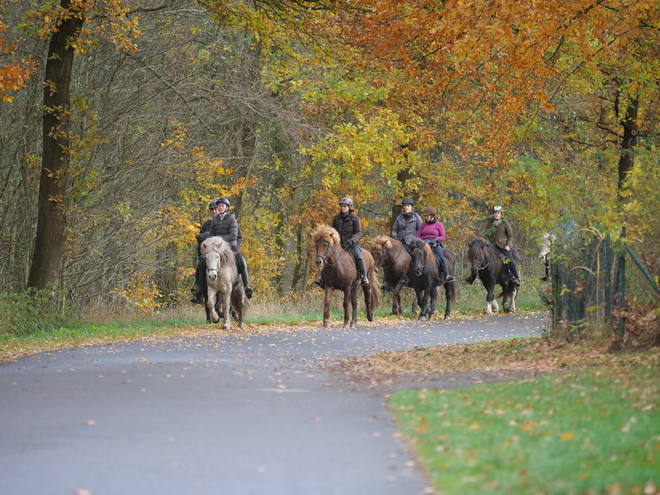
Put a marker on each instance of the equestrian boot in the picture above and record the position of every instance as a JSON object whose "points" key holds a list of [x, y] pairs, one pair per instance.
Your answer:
{"points": [[473, 275], [244, 275], [198, 298], [242, 269]]}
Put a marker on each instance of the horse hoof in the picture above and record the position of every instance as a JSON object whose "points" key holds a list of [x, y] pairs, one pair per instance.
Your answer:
{"points": [[240, 324], [422, 318], [225, 326], [326, 324], [447, 317]]}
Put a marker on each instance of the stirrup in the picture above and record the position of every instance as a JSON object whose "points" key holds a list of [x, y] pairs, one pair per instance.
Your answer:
{"points": [[364, 280], [449, 279], [248, 292], [320, 283]]}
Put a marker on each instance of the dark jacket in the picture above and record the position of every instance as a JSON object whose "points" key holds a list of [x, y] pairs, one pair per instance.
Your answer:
{"points": [[349, 228], [405, 227], [226, 227]]}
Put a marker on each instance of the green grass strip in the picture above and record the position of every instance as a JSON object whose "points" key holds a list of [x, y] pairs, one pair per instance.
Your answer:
{"points": [[595, 431]]}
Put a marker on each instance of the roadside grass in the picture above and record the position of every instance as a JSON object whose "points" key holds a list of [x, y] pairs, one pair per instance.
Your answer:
{"points": [[594, 431]]}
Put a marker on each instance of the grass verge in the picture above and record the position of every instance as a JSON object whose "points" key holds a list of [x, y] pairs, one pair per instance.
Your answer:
{"points": [[588, 431]]}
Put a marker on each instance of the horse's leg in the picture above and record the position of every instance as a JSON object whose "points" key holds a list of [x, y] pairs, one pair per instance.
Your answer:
{"points": [[210, 305], [434, 301], [449, 288], [490, 299], [348, 294], [422, 298], [326, 306], [226, 308], [354, 304], [514, 295], [367, 301]]}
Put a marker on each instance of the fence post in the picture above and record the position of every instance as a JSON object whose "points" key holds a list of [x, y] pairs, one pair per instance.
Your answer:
{"points": [[622, 286]]}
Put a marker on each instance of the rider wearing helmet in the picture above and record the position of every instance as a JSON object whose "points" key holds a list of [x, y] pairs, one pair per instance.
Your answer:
{"points": [[407, 224], [347, 224], [500, 234], [225, 225], [433, 232], [200, 271]]}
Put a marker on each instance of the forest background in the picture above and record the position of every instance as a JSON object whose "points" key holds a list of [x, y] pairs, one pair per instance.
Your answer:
{"points": [[121, 120]]}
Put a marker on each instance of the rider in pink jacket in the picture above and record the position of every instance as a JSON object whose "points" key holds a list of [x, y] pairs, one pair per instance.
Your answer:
{"points": [[433, 232]]}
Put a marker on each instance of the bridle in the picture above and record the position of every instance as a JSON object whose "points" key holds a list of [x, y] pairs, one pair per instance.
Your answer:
{"points": [[324, 256], [489, 260]]}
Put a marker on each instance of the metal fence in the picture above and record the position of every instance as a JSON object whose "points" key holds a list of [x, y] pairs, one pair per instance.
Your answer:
{"points": [[585, 282]]}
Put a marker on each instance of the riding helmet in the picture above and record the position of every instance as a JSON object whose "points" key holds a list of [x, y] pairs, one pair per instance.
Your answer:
{"points": [[497, 208], [346, 201], [213, 204], [408, 201], [429, 211], [225, 201]]}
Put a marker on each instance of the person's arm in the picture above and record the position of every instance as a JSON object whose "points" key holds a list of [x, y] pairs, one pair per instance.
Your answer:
{"points": [[357, 231], [509, 234], [441, 236], [233, 230]]}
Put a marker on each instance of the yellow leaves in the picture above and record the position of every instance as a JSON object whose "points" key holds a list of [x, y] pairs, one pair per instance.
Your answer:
{"points": [[566, 436], [140, 293]]}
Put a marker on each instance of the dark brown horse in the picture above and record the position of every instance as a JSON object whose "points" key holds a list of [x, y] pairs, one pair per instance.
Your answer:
{"points": [[491, 268], [426, 277], [393, 258], [339, 272]]}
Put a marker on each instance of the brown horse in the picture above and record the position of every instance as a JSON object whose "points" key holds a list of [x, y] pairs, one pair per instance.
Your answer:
{"points": [[487, 261], [392, 256], [339, 272], [426, 277]]}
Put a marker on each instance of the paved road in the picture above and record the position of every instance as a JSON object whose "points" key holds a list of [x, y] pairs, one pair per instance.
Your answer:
{"points": [[225, 414]]}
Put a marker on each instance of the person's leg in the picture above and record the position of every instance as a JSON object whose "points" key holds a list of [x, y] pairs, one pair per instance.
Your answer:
{"points": [[362, 274], [200, 282], [440, 255], [243, 271]]}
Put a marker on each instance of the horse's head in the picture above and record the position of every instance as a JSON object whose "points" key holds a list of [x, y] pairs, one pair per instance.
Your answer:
{"points": [[212, 265], [324, 239], [421, 254], [379, 247], [478, 253], [216, 251]]}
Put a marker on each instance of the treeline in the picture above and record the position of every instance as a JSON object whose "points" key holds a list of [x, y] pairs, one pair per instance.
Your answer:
{"points": [[286, 109]]}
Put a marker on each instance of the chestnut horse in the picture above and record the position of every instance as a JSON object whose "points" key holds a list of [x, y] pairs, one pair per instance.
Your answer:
{"points": [[426, 277], [392, 256], [223, 281], [487, 261], [339, 272]]}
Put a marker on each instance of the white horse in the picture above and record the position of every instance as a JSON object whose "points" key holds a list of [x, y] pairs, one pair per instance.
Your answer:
{"points": [[223, 280]]}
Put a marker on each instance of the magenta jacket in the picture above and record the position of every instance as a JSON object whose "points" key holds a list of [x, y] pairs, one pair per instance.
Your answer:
{"points": [[432, 230]]}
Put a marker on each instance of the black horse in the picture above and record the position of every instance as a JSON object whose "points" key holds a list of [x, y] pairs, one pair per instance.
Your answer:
{"points": [[492, 270], [426, 276]]}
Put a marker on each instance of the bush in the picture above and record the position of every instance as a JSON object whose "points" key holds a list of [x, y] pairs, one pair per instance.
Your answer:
{"points": [[32, 311]]}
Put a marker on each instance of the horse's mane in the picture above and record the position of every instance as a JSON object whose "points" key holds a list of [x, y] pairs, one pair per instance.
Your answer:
{"points": [[328, 234], [218, 245], [384, 241], [424, 246], [480, 243]]}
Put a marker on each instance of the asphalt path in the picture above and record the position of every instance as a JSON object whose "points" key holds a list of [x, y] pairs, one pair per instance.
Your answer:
{"points": [[228, 413]]}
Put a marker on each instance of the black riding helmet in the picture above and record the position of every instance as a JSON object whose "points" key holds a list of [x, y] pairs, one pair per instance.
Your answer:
{"points": [[225, 201], [408, 201], [213, 204]]}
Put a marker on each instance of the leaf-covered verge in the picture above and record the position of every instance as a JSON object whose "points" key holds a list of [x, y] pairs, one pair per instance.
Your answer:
{"points": [[586, 431]]}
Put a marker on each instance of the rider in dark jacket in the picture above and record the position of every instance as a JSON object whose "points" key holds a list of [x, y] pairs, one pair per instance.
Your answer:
{"points": [[225, 225], [407, 224], [200, 271], [348, 225]]}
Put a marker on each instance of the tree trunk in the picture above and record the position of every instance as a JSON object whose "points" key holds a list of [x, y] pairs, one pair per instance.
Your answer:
{"points": [[51, 220], [628, 143]]}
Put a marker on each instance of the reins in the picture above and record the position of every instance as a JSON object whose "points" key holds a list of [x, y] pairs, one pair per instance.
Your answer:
{"points": [[324, 256]]}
